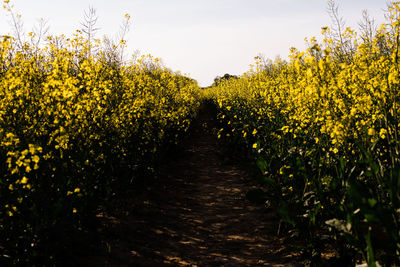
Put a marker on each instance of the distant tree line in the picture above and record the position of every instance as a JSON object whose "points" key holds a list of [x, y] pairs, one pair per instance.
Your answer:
{"points": [[226, 77]]}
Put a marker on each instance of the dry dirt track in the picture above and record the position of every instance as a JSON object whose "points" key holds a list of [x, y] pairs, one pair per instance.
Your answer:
{"points": [[197, 215]]}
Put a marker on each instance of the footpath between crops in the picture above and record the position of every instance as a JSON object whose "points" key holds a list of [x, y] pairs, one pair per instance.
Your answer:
{"points": [[195, 215]]}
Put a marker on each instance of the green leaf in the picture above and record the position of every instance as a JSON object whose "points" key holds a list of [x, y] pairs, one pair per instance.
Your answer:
{"points": [[285, 213], [262, 164], [370, 251], [372, 202], [372, 217], [269, 182]]}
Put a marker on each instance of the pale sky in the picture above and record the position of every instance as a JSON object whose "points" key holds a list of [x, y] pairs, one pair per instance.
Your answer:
{"points": [[202, 38]]}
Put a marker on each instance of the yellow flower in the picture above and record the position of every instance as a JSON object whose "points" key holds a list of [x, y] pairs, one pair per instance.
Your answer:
{"points": [[24, 180], [28, 169], [382, 133], [35, 158], [285, 129], [371, 131], [255, 145]]}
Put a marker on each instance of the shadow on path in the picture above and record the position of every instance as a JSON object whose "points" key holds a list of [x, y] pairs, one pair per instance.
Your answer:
{"points": [[196, 215]]}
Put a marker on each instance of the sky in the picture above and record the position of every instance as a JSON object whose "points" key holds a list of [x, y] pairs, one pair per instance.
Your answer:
{"points": [[200, 38]]}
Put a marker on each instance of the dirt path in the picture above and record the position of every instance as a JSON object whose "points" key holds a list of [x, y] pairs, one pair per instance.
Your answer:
{"points": [[197, 216]]}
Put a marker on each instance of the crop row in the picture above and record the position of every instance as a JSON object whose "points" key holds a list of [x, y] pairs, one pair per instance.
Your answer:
{"points": [[323, 129], [77, 128]]}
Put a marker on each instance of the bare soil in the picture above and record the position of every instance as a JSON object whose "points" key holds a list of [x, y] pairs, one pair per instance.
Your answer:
{"points": [[196, 214]]}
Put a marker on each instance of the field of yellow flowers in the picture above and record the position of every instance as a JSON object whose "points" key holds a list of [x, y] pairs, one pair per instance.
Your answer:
{"points": [[75, 128], [78, 126], [324, 131]]}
